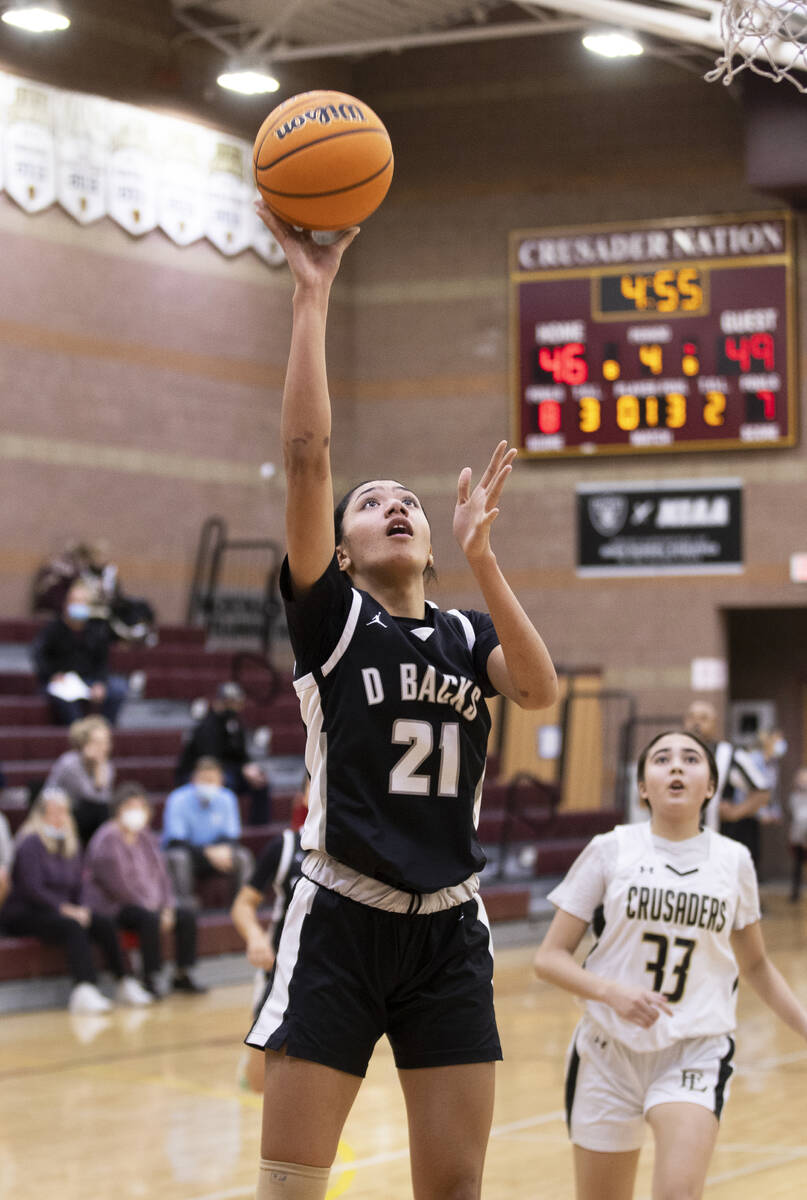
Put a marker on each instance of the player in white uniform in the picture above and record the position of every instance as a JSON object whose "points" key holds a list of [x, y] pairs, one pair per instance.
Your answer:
{"points": [[385, 934], [675, 911]]}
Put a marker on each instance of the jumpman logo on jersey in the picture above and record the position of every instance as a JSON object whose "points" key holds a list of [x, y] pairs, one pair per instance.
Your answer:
{"points": [[377, 621]]}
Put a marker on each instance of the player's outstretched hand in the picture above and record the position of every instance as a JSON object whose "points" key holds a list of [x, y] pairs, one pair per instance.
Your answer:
{"points": [[477, 509], [638, 1005], [311, 262]]}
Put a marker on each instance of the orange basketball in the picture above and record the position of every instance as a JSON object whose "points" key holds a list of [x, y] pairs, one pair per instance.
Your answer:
{"points": [[322, 160]]}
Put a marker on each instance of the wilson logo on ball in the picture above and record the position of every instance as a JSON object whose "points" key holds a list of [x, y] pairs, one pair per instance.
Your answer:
{"points": [[323, 116], [323, 160]]}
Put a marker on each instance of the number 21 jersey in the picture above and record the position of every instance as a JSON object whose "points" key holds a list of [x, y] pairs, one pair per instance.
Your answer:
{"points": [[397, 730]]}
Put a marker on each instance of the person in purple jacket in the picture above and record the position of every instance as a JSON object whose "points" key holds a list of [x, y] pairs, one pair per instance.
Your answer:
{"points": [[45, 902], [125, 878]]}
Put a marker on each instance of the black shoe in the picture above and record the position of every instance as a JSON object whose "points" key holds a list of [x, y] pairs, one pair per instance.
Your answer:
{"points": [[186, 983]]}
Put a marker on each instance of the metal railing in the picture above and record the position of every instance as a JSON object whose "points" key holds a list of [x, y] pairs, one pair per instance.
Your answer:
{"points": [[235, 596]]}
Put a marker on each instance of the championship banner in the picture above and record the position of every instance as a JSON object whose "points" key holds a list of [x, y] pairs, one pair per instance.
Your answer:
{"points": [[230, 194], [132, 171], [81, 170], [29, 166], [680, 528], [183, 154], [98, 158]]}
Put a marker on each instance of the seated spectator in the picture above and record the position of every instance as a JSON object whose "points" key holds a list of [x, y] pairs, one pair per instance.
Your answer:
{"points": [[125, 878], [131, 619], [54, 578], [6, 858], [202, 830], [45, 902], [71, 655], [86, 774], [221, 734]]}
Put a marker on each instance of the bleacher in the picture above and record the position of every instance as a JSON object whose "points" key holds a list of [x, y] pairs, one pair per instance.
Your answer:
{"points": [[180, 669]]}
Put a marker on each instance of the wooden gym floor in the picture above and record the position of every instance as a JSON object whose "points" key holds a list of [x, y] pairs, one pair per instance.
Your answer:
{"points": [[146, 1104]]}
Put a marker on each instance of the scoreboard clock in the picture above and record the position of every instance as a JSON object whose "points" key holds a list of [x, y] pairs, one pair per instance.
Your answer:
{"points": [[654, 336]]}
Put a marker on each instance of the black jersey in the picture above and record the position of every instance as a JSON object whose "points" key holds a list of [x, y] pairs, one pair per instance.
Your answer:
{"points": [[278, 869], [397, 732]]}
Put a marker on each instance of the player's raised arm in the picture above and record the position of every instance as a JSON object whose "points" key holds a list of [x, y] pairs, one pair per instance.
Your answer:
{"points": [[520, 668], [305, 422]]}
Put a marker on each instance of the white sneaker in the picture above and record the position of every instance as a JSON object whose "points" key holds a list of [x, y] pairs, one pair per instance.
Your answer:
{"points": [[132, 992], [86, 998]]}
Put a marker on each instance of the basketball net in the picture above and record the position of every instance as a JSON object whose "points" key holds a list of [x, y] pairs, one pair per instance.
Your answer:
{"points": [[769, 36]]}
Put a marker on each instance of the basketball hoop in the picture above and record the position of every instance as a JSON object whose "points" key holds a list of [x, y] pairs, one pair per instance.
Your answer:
{"points": [[768, 36]]}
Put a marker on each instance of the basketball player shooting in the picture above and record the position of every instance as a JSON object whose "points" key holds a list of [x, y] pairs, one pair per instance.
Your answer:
{"points": [[385, 933]]}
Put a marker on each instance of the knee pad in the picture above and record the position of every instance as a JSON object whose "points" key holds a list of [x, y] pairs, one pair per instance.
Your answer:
{"points": [[291, 1181]]}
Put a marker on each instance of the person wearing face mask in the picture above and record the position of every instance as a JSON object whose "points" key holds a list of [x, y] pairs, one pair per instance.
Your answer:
{"points": [[45, 902], [202, 832], [71, 657], [220, 733], [125, 877]]}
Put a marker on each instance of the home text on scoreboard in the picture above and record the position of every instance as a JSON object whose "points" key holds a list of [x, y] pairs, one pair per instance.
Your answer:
{"points": [[658, 336]]}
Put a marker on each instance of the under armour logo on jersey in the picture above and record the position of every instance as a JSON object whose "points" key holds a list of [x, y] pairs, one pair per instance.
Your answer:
{"points": [[377, 621], [601, 1042], [643, 868]]}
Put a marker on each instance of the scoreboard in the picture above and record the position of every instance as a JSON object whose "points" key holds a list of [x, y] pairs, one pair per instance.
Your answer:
{"points": [[654, 336]]}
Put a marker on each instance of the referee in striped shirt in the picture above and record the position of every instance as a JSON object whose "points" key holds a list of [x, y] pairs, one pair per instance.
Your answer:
{"points": [[741, 789]]}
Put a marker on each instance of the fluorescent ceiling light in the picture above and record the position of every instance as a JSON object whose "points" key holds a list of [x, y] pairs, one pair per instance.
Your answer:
{"points": [[250, 82], [613, 44], [36, 20]]}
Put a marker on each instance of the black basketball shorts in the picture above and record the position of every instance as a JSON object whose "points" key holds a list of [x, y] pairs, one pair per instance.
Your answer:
{"points": [[346, 973]]}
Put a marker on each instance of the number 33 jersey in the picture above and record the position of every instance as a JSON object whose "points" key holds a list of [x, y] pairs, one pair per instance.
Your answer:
{"points": [[663, 914], [397, 730]]}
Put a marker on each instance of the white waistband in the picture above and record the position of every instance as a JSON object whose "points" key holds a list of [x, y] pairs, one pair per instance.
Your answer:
{"points": [[330, 873]]}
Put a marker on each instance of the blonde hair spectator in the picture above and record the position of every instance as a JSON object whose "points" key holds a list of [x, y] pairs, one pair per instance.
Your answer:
{"points": [[67, 844]]}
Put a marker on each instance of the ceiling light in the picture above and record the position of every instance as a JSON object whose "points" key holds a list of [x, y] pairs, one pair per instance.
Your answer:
{"points": [[613, 43], [250, 81], [37, 18]]}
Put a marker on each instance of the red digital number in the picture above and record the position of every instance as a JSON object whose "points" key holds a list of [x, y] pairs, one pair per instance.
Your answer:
{"points": [[769, 404], [549, 416], [564, 363], [758, 346], [762, 349]]}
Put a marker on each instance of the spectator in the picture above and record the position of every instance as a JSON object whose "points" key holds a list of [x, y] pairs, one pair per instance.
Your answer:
{"points": [[741, 789], [71, 656], [221, 734], [202, 830], [797, 803], [45, 902], [87, 774], [276, 872], [125, 878], [130, 619], [54, 578], [6, 858]]}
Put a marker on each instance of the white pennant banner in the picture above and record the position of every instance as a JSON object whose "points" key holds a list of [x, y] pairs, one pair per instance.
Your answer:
{"points": [[97, 158]]}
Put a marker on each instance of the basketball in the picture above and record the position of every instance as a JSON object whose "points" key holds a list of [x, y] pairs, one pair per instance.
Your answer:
{"points": [[322, 160]]}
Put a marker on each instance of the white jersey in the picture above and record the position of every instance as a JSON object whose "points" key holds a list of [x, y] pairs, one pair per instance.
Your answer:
{"points": [[664, 913]]}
